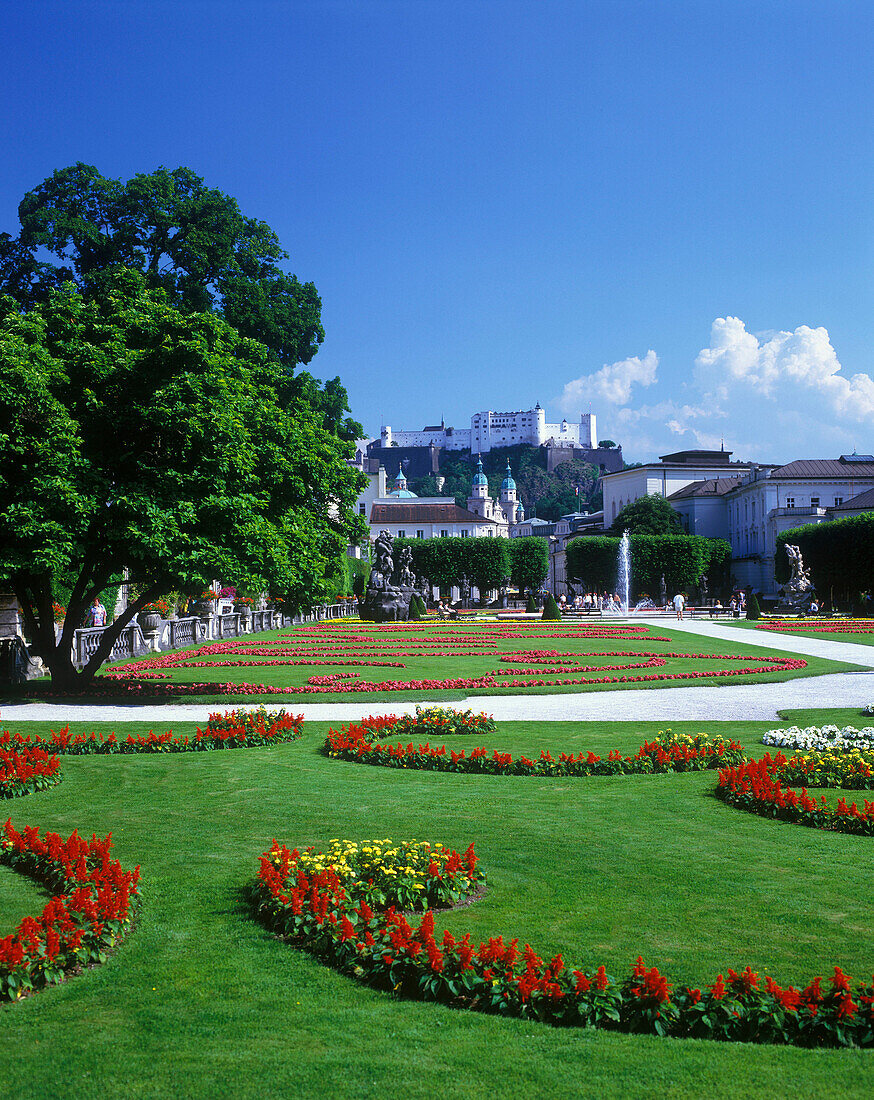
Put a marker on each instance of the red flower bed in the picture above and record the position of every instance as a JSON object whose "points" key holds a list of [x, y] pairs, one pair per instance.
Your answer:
{"points": [[24, 768], [91, 912], [573, 669], [755, 786], [358, 743], [326, 914], [231, 730], [848, 626]]}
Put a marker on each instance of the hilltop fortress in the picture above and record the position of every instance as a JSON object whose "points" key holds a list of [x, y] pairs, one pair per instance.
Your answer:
{"points": [[419, 452], [499, 429]]}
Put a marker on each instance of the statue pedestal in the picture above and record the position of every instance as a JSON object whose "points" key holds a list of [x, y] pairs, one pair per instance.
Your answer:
{"points": [[386, 605]]}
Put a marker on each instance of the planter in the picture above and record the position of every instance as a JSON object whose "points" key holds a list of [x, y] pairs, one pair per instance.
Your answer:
{"points": [[204, 609], [149, 621]]}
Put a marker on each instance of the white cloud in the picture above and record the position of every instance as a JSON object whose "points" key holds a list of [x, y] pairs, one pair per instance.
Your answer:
{"points": [[612, 383], [770, 396], [779, 362]]}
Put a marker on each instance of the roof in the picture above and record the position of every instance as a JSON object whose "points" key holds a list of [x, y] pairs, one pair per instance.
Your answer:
{"points": [[425, 513], [834, 468], [696, 458], [710, 487], [862, 501]]}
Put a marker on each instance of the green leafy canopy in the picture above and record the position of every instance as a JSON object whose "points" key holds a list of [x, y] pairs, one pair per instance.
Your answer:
{"points": [[138, 436]]}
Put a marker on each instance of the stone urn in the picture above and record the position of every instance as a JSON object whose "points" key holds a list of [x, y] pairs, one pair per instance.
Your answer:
{"points": [[203, 609], [149, 621]]}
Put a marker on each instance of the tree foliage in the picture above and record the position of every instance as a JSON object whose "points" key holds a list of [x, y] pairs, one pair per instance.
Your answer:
{"points": [[133, 435], [649, 515], [529, 563], [681, 559], [445, 562], [186, 239]]}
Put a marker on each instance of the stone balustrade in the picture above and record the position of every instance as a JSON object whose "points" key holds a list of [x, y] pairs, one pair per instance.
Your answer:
{"points": [[179, 633]]}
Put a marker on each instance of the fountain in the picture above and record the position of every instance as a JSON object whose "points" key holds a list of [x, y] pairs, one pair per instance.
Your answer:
{"points": [[624, 578]]}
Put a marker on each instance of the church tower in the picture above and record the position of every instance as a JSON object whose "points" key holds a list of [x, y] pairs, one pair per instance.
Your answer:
{"points": [[508, 496], [478, 500]]}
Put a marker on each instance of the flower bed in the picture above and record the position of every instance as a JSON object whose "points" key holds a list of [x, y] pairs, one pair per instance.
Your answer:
{"points": [[823, 738], [346, 644], [817, 626], [359, 743], [231, 730], [321, 907], [92, 911], [25, 768], [757, 786]]}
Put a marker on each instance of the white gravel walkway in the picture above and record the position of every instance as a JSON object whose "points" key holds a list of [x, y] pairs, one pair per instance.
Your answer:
{"points": [[704, 703]]}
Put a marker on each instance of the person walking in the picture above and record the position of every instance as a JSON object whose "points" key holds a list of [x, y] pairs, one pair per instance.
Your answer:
{"points": [[679, 602]]}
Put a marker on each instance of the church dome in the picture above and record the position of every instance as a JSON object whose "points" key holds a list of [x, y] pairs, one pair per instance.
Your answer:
{"points": [[399, 489], [479, 478], [508, 485]]}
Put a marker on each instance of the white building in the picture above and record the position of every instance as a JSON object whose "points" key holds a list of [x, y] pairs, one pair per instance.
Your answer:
{"points": [[772, 499], [665, 477], [499, 429], [404, 515]]}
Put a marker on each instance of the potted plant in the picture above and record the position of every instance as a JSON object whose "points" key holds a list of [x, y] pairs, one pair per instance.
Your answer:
{"points": [[244, 605], [204, 605], [151, 615]]}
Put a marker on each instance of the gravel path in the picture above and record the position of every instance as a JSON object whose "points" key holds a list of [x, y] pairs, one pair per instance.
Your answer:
{"points": [[700, 703]]}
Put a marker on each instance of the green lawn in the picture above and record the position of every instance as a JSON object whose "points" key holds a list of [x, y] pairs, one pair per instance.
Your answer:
{"points": [[200, 1001], [422, 665]]}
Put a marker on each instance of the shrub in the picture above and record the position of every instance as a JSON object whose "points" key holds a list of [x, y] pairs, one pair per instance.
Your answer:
{"points": [[753, 610], [550, 609], [530, 606]]}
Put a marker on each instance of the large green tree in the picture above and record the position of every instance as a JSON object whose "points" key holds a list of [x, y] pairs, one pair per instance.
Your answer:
{"points": [[135, 435], [187, 239], [649, 515]]}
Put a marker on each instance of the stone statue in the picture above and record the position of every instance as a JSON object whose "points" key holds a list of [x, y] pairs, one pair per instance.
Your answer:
{"points": [[384, 565], [798, 590], [702, 584], [663, 591], [384, 601], [408, 577]]}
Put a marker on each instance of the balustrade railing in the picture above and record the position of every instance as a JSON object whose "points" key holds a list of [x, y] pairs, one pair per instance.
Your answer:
{"points": [[129, 643]]}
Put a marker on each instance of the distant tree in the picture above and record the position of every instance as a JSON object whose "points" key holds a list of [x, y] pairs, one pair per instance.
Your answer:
{"points": [[529, 558], [488, 562], [607, 444], [649, 515]]}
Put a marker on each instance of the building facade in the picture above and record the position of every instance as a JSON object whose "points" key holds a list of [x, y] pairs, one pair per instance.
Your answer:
{"points": [[667, 476], [773, 499], [498, 429]]}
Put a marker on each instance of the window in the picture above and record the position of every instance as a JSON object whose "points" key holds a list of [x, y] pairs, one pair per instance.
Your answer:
{"points": [[401, 533], [814, 502], [420, 534], [790, 502], [465, 534], [444, 534], [838, 500], [362, 509]]}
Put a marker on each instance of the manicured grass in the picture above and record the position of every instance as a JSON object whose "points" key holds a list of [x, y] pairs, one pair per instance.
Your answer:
{"points": [[425, 666], [200, 1000]]}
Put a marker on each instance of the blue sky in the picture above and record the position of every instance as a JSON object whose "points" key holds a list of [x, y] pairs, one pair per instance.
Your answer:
{"points": [[659, 210]]}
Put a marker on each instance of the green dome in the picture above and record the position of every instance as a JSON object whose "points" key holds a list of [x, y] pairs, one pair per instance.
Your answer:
{"points": [[479, 478], [508, 485]]}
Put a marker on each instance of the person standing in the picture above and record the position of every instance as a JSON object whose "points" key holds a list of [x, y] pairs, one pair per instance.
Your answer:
{"points": [[679, 602], [97, 613]]}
